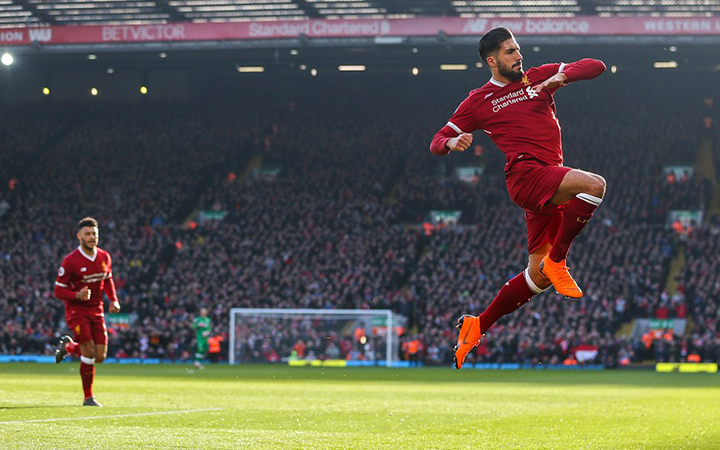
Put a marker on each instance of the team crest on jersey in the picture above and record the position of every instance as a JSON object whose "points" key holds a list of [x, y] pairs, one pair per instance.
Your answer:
{"points": [[104, 266], [525, 80]]}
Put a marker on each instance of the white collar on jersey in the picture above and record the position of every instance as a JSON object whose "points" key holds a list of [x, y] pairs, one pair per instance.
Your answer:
{"points": [[496, 82], [86, 255]]}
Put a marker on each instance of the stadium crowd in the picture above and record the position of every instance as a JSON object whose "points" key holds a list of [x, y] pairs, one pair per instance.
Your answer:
{"points": [[332, 219]]}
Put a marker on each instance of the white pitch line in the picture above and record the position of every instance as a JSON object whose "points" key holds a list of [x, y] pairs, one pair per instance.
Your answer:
{"points": [[116, 415]]}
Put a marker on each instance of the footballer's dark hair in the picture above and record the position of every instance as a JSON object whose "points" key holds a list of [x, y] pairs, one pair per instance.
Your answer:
{"points": [[87, 222], [491, 41]]}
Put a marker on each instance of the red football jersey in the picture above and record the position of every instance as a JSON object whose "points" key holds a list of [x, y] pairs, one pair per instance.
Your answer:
{"points": [[521, 122], [79, 270]]}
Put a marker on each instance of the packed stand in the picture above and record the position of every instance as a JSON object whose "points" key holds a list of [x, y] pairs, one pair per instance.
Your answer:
{"points": [[337, 225]]}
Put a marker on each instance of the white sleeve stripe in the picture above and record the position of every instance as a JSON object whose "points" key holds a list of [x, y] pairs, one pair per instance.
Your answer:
{"points": [[60, 284], [562, 66], [455, 127]]}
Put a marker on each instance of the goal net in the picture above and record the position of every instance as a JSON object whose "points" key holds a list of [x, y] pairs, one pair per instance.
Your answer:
{"points": [[337, 337]]}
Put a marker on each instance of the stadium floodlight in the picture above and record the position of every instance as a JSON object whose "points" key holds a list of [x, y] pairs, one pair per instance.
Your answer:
{"points": [[163, 55], [94, 92], [479, 65], [313, 72], [92, 57], [613, 69], [46, 91], [294, 52], [453, 66], [143, 90], [665, 64], [415, 71], [7, 59], [352, 68], [337, 337], [250, 69]]}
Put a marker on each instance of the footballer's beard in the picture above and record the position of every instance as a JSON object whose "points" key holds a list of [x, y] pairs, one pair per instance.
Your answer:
{"points": [[88, 247], [509, 73]]}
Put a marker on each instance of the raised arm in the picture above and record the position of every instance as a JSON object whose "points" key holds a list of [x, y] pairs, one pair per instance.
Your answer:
{"points": [[585, 69]]}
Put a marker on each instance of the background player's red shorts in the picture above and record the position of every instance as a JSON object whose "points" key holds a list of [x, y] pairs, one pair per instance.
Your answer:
{"points": [[89, 328], [531, 185]]}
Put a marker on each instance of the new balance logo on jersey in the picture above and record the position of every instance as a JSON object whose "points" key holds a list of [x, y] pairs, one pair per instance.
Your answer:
{"points": [[84, 269], [582, 220]]}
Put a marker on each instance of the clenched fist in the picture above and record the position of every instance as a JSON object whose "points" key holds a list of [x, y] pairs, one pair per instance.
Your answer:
{"points": [[83, 294], [460, 143]]}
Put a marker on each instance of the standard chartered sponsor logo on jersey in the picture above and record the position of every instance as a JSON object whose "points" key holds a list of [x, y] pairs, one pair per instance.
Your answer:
{"points": [[95, 277], [512, 98]]}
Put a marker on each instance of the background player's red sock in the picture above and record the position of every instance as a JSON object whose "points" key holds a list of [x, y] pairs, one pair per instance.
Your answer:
{"points": [[73, 348], [512, 296], [576, 215], [87, 374]]}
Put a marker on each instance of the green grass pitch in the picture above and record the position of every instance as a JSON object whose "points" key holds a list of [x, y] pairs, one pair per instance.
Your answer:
{"points": [[281, 407]]}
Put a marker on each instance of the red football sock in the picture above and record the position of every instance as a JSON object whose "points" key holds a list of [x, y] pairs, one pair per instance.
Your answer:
{"points": [[576, 215], [87, 374], [73, 348], [512, 296]]}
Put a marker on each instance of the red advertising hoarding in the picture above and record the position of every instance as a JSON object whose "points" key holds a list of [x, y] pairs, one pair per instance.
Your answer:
{"points": [[451, 26]]}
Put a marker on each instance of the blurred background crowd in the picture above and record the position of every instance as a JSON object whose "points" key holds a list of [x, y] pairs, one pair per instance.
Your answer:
{"points": [[284, 197]]}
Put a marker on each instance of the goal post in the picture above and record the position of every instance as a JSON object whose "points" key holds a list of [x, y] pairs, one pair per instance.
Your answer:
{"points": [[312, 335]]}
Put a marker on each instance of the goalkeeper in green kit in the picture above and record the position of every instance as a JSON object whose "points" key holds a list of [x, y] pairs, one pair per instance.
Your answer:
{"points": [[202, 333]]}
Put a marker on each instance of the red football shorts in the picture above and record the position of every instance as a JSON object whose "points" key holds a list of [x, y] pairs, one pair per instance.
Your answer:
{"points": [[531, 185], [89, 328]]}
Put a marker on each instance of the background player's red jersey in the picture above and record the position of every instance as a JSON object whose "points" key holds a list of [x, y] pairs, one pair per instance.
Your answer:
{"points": [[79, 270], [521, 122]]}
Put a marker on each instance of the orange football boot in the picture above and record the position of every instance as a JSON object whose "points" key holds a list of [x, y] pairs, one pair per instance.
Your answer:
{"points": [[468, 338], [559, 275]]}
